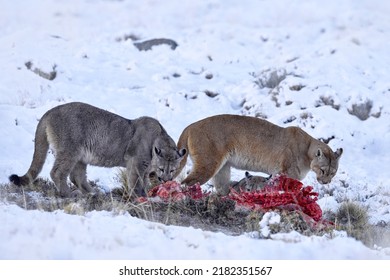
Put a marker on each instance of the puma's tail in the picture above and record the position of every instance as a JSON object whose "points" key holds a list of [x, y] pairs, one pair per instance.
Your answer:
{"points": [[40, 153]]}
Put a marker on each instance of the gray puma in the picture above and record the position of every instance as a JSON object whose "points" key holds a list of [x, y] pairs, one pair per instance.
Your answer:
{"points": [[217, 143], [250, 183], [81, 134]]}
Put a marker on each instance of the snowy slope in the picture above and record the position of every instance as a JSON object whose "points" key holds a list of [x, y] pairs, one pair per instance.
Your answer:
{"points": [[323, 67]]}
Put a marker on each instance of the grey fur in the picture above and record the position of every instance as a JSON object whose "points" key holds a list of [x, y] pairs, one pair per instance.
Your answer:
{"points": [[251, 183], [81, 134]]}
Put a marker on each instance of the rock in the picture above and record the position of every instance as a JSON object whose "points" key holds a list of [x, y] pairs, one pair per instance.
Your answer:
{"points": [[147, 45]]}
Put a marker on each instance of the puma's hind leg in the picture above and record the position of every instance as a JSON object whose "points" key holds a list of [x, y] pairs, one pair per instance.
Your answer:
{"points": [[62, 167], [221, 180], [78, 176]]}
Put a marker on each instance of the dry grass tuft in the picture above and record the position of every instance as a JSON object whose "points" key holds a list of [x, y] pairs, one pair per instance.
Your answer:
{"points": [[212, 213], [353, 218]]}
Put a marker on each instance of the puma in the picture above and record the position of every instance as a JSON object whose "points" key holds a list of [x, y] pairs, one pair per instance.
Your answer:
{"points": [[218, 143], [80, 134], [250, 183]]}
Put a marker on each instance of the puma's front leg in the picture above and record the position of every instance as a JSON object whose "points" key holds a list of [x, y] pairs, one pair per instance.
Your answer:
{"points": [[294, 172], [138, 180]]}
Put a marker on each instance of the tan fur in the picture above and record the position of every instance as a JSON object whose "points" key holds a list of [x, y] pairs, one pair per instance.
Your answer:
{"points": [[217, 143]]}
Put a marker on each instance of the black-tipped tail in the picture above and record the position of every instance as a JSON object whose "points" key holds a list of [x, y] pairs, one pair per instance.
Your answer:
{"points": [[15, 179]]}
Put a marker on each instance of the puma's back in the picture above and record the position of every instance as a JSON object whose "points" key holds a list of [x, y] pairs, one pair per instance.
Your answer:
{"points": [[97, 135], [217, 143]]}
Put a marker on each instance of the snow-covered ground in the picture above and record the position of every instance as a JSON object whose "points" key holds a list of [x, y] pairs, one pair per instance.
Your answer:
{"points": [[322, 66]]}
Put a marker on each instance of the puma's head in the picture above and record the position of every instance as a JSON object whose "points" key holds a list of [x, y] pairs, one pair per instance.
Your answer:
{"points": [[255, 182], [325, 164], [251, 183], [165, 162]]}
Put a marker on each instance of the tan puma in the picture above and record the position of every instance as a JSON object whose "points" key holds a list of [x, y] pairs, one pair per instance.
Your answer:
{"points": [[217, 143]]}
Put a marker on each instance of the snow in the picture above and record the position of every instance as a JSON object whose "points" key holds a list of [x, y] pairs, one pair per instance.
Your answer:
{"points": [[43, 235], [269, 218], [337, 52]]}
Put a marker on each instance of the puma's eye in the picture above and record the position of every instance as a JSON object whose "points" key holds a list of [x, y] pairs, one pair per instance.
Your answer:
{"points": [[322, 172], [171, 171], [161, 169]]}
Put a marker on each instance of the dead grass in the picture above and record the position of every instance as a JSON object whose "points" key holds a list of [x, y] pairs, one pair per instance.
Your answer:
{"points": [[362, 110], [353, 218], [212, 213]]}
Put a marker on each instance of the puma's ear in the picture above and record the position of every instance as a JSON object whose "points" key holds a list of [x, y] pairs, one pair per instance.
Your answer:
{"points": [[338, 152], [248, 175], [182, 152], [157, 151], [319, 153]]}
